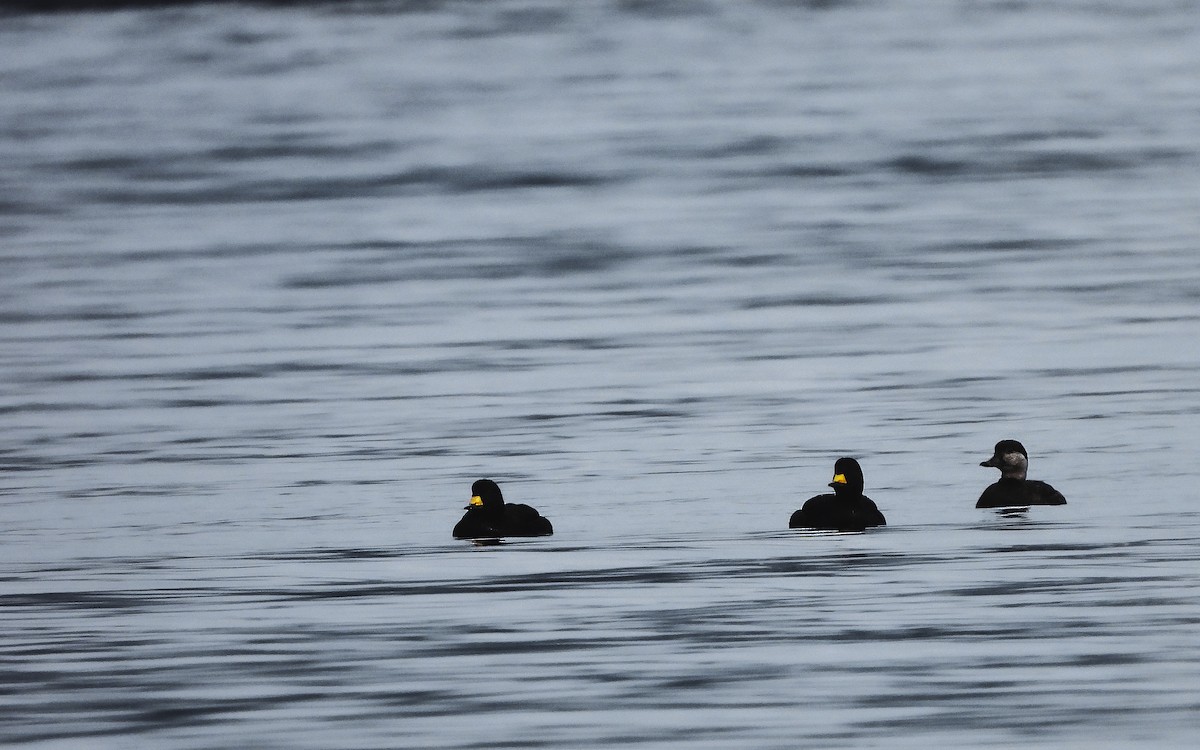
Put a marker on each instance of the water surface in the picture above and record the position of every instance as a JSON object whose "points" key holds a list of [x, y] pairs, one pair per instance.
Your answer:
{"points": [[279, 281]]}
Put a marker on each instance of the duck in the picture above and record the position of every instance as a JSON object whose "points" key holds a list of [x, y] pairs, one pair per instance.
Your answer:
{"points": [[1014, 490], [489, 517], [847, 509]]}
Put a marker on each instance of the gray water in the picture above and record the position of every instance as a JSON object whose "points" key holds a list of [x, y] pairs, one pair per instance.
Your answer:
{"points": [[277, 283]]}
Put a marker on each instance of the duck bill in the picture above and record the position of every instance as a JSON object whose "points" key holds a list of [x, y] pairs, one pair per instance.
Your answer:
{"points": [[993, 462], [839, 480], [475, 502]]}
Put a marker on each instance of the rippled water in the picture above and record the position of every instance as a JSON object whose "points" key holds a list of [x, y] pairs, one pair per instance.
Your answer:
{"points": [[278, 282]]}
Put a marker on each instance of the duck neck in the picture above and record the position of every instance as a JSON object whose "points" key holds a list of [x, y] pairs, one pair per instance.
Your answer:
{"points": [[1014, 473]]}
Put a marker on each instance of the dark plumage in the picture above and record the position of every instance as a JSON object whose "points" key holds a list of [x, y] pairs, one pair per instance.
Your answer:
{"points": [[847, 509], [489, 517], [1014, 490]]}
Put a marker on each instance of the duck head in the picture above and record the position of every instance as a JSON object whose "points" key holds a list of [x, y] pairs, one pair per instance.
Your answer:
{"points": [[1010, 458], [486, 498], [847, 477]]}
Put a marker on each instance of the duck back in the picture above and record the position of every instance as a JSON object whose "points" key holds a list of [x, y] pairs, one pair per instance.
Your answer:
{"points": [[517, 520], [1008, 493], [524, 520], [835, 513]]}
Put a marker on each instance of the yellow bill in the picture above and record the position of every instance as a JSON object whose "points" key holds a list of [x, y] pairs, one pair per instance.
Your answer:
{"points": [[839, 478]]}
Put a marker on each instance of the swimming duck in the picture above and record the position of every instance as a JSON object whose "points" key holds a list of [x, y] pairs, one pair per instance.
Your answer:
{"points": [[847, 509], [489, 517], [1014, 490]]}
